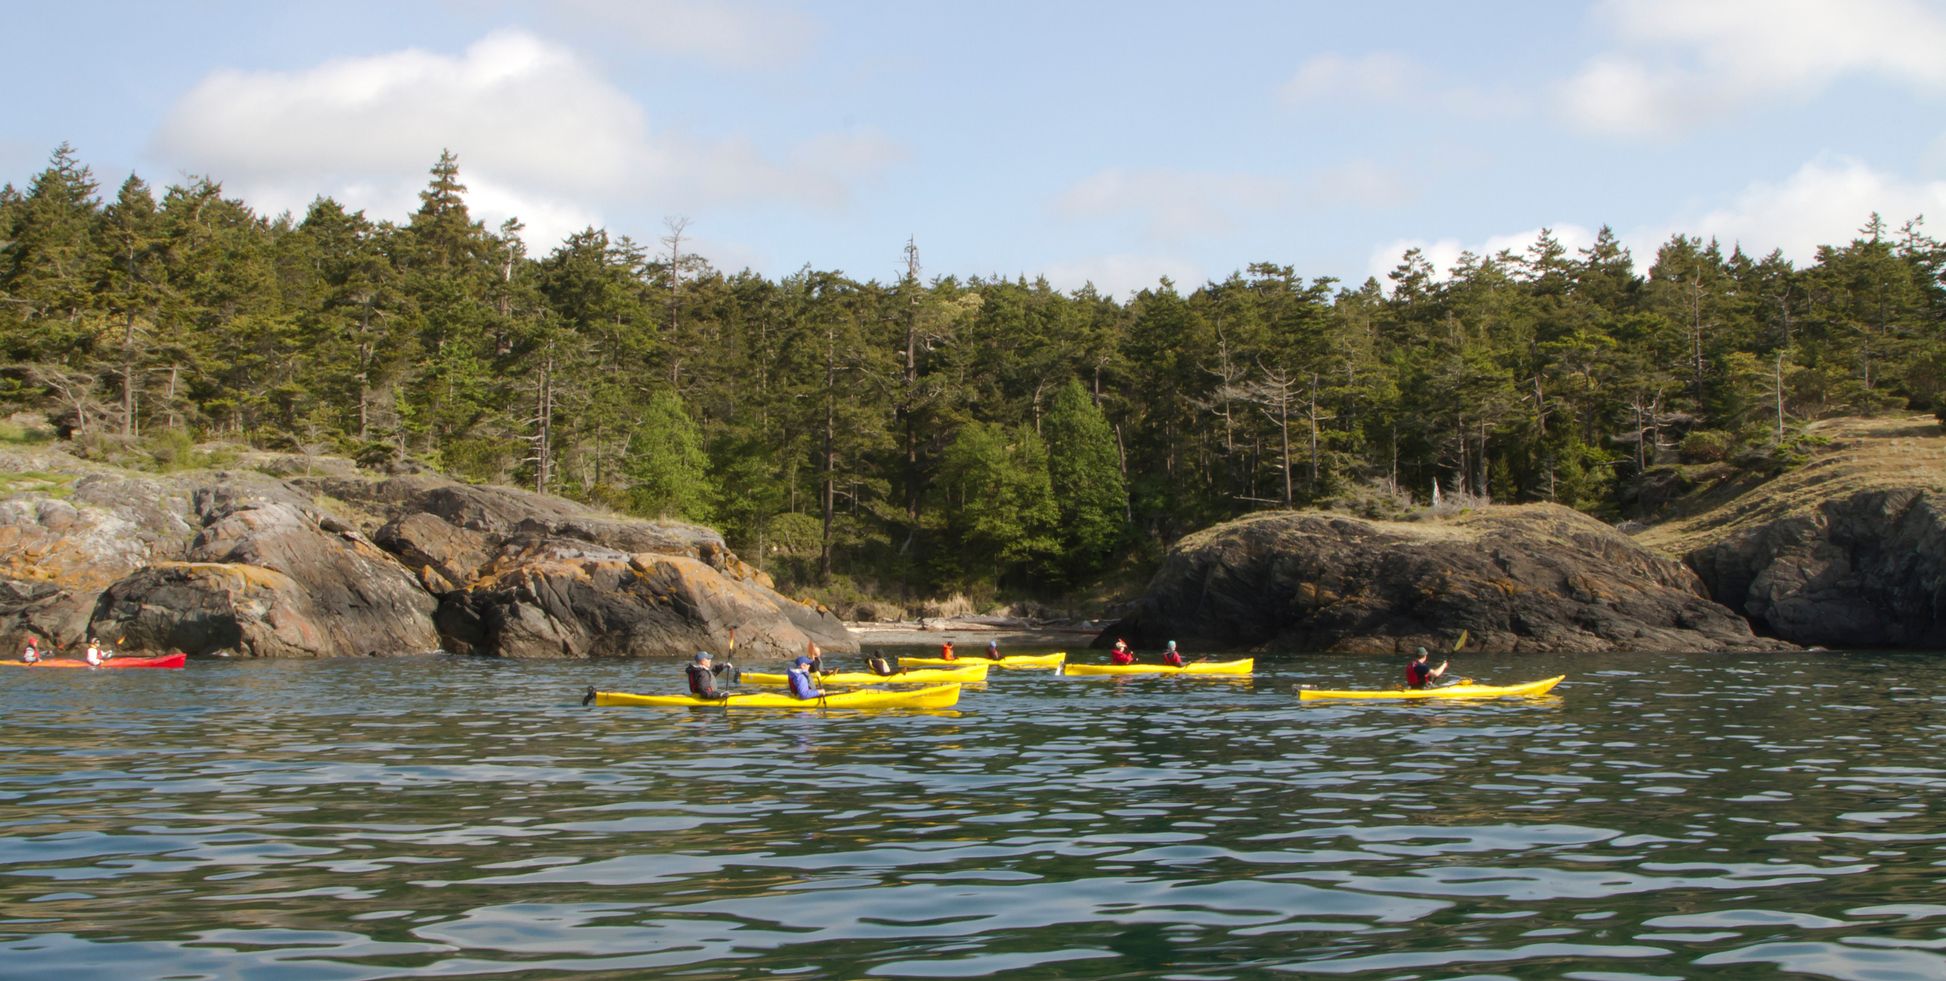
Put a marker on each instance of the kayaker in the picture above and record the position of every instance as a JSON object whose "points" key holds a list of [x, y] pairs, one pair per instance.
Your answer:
{"points": [[32, 655], [817, 659], [1172, 657], [702, 677], [94, 657], [800, 678], [1420, 673], [879, 665], [946, 652], [1121, 654], [993, 650]]}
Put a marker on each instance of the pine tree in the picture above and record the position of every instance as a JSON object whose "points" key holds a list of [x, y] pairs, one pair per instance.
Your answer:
{"points": [[1085, 478], [667, 463]]}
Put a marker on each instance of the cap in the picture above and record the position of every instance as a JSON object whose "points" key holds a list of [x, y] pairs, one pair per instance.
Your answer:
{"points": [[702, 656], [993, 643], [801, 661], [1421, 652]]}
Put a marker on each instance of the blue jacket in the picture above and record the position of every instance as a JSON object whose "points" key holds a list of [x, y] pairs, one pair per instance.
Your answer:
{"points": [[801, 684]]}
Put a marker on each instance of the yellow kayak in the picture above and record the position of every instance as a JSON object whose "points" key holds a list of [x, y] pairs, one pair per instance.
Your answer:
{"points": [[1243, 666], [969, 673], [1450, 691], [937, 696], [1016, 661]]}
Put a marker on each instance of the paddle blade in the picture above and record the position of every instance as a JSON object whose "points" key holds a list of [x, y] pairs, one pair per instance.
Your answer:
{"points": [[1461, 642], [590, 696]]}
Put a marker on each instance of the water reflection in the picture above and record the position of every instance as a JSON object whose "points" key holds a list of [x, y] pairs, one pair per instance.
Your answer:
{"points": [[1653, 817]]}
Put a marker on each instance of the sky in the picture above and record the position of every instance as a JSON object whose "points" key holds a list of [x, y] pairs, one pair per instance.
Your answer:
{"points": [[1111, 143]]}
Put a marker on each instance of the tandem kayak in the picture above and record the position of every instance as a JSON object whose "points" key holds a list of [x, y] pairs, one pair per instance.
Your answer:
{"points": [[1016, 661], [1244, 666], [936, 697], [1450, 691], [930, 676], [165, 661]]}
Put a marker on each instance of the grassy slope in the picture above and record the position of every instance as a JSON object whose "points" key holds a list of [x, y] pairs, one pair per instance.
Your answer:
{"points": [[1863, 455]]}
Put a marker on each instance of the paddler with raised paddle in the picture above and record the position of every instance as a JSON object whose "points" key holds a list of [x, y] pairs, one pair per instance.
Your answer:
{"points": [[1420, 674]]}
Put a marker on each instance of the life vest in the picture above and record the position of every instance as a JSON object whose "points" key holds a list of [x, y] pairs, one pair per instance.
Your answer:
{"points": [[702, 681], [93, 656], [946, 652], [801, 684], [1418, 674], [1122, 655], [1172, 659], [32, 656]]}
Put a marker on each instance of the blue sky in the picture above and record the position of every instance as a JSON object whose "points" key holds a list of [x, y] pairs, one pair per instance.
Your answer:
{"points": [[1103, 142]]}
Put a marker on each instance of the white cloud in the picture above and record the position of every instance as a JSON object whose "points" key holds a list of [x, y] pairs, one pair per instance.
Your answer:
{"points": [[1382, 76], [1392, 79], [538, 133], [1175, 205], [732, 34], [1445, 253], [1122, 275], [1172, 204], [1686, 62], [1361, 184], [1824, 203]]}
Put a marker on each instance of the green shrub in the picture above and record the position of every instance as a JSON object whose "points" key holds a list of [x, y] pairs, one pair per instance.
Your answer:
{"points": [[1707, 446]]}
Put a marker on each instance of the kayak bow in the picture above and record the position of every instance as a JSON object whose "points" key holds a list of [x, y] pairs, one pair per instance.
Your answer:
{"points": [[938, 696], [1450, 691], [1241, 667]]}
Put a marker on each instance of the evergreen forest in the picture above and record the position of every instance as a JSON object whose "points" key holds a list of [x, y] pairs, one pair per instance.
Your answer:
{"points": [[931, 433]]}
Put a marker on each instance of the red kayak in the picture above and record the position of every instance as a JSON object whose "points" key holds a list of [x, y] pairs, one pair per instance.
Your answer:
{"points": [[165, 661]]}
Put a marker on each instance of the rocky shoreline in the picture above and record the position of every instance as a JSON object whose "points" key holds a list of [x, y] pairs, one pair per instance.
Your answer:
{"points": [[239, 563], [308, 557]]}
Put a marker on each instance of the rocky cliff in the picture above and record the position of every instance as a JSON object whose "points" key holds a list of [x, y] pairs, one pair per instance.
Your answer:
{"points": [[1848, 550], [1531, 578], [242, 563]]}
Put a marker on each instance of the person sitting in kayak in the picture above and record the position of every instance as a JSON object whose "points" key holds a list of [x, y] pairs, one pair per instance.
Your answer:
{"points": [[800, 678], [1420, 673], [1173, 657], [817, 659], [879, 665], [32, 655], [94, 656], [946, 652], [993, 650], [1121, 654], [702, 677]]}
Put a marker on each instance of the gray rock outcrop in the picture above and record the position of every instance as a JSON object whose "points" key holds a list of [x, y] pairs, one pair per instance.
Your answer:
{"points": [[1536, 577], [270, 576], [1867, 569], [521, 574]]}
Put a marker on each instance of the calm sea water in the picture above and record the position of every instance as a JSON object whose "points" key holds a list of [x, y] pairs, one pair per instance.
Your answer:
{"points": [[1658, 817]]}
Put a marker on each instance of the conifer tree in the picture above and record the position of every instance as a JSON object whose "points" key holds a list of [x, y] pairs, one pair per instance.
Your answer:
{"points": [[1084, 478], [667, 463]]}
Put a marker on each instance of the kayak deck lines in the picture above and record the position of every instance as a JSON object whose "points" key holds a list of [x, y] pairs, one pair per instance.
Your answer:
{"points": [[1210, 669], [175, 660], [1527, 690], [1013, 662], [933, 697]]}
